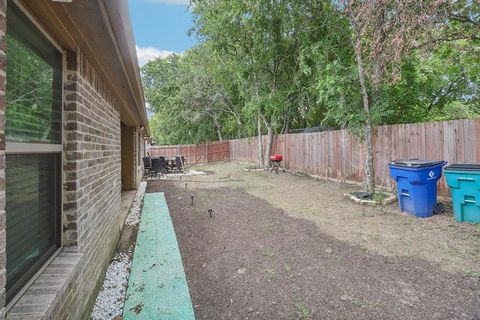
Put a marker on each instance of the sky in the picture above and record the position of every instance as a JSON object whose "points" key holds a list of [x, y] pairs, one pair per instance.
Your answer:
{"points": [[160, 28]]}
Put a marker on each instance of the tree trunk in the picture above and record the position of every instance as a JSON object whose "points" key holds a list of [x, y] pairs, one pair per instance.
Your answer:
{"points": [[219, 134], [218, 129], [261, 159], [286, 119], [369, 169], [240, 129], [268, 152]]}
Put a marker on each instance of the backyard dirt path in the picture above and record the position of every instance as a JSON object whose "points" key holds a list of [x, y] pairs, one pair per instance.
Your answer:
{"points": [[253, 260]]}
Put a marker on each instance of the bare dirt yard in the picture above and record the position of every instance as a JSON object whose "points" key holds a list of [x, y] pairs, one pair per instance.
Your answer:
{"points": [[288, 246]]}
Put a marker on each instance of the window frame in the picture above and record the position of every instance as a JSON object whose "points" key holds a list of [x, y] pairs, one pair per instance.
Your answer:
{"points": [[43, 148]]}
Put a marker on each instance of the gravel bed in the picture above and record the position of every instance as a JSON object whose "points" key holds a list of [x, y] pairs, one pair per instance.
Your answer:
{"points": [[111, 298], [186, 173], [133, 217]]}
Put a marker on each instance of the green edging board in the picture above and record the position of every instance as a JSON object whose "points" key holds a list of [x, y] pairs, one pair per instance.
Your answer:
{"points": [[157, 287]]}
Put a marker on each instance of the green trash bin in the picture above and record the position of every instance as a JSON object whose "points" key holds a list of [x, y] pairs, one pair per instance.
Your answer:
{"points": [[464, 182]]}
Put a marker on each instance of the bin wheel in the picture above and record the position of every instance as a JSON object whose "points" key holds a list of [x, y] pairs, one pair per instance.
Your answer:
{"points": [[439, 208]]}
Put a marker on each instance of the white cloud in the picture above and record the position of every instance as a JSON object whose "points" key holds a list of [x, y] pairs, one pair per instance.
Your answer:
{"points": [[148, 54]]}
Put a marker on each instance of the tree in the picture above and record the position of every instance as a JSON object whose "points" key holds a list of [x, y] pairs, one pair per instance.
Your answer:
{"points": [[266, 67], [265, 39], [192, 91], [384, 31]]}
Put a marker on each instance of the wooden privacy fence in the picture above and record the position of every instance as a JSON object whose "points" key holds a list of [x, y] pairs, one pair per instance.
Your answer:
{"points": [[339, 155], [194, 153]]}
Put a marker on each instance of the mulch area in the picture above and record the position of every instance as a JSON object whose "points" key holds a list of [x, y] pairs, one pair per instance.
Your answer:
{"points": [[252, 261]]}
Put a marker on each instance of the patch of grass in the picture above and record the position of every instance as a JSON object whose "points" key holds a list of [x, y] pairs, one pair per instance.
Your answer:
{"points": [[473, 237], [475, 252], [358, 303], [268, 253], [362, 195], [454, 252], [270, 272], [303, 313], [289, 269], [472, 274], [379, 196]]}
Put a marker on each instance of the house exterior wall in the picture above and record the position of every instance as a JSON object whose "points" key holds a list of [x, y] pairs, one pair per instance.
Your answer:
{"points": [[92, 152], [128, 155], [92, 217], [140, 153], [92, 195], [132, 152]]}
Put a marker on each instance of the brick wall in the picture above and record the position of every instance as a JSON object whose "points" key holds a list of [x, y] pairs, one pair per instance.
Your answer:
{"points": [[139, 153], [3, 58], [92, 195], [132, 153], [92, 151], [92, 213], [129, 165]]}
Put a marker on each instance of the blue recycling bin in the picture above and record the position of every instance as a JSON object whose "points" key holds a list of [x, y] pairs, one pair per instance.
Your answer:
{"points": [[464, 182], [417, 185]]}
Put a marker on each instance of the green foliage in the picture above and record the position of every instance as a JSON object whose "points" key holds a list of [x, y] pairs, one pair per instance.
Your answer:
{"points": [[445, 85], [184, 99], [294, 63], [303, 313]]}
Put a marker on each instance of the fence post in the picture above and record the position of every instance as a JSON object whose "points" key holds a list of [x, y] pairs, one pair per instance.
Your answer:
{"points": [[206, 150]]}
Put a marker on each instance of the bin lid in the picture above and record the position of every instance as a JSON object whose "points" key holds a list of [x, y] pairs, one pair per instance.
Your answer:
{"points": [[464, 167], [415, 163]]}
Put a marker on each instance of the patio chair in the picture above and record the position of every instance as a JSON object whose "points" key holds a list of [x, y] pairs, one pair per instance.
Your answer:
{"points": [[147, 165], [158, 165], [179, 164], [165, 166]]}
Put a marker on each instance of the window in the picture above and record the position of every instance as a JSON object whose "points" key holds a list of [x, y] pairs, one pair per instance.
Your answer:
{"points": [[33, 151]]}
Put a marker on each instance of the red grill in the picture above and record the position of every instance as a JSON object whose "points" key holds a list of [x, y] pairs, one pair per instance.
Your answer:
{"points": [[276, 158]]}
